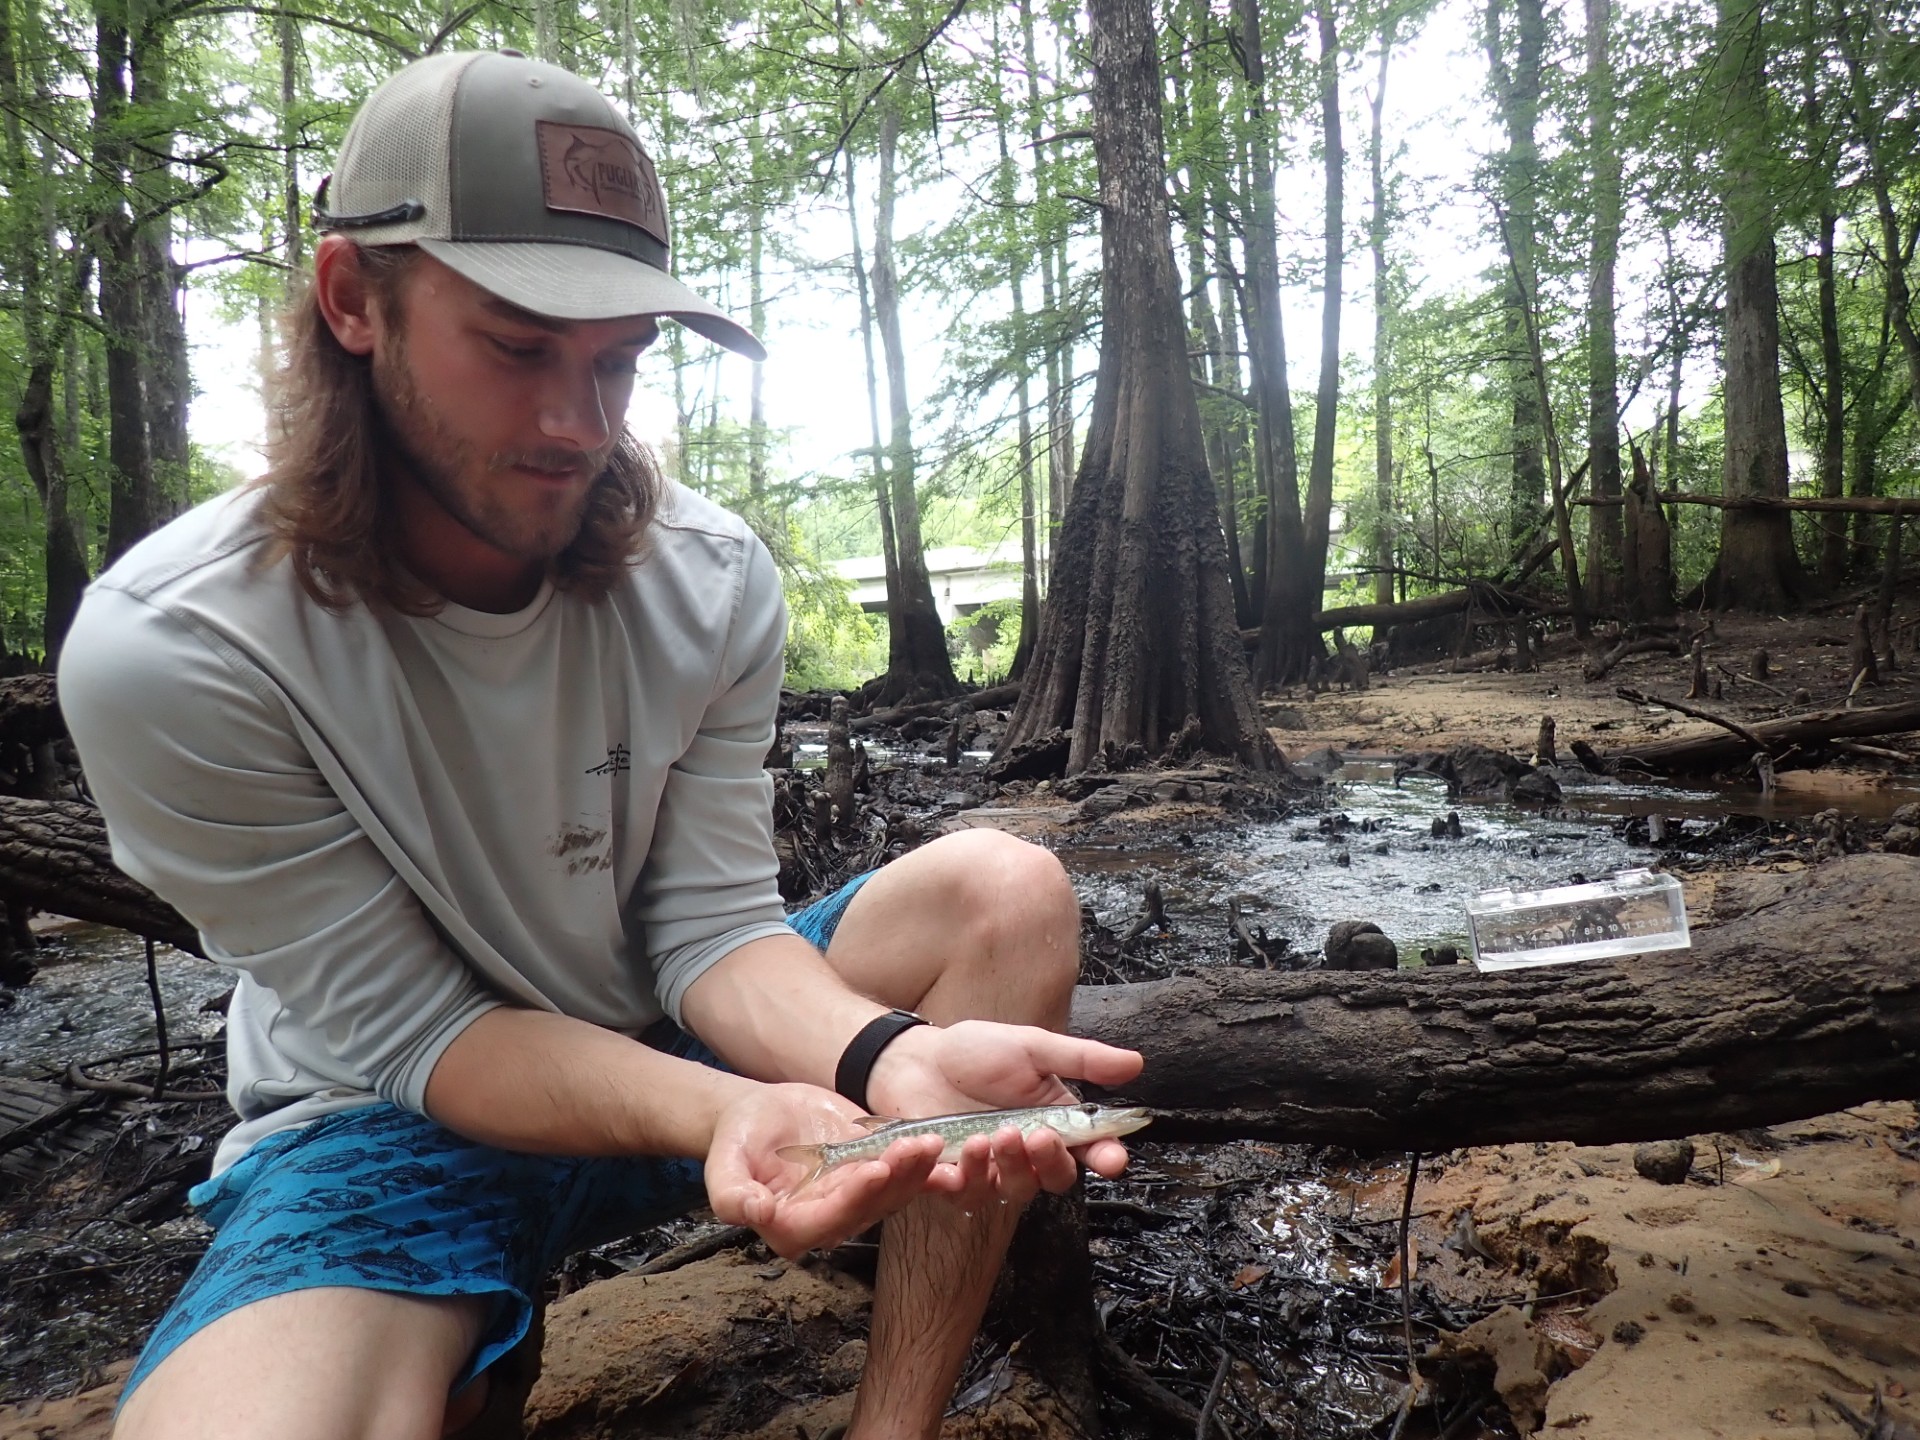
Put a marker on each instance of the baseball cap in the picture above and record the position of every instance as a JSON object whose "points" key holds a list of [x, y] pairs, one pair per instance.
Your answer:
{"points": [[522, 177]]}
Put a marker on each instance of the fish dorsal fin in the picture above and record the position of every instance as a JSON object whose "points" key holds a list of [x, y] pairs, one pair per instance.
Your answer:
{"points": [[873, 1123]]}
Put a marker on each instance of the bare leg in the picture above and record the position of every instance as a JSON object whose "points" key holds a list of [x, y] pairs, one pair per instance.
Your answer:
{"points": [[324, 1364], [973, 926]]}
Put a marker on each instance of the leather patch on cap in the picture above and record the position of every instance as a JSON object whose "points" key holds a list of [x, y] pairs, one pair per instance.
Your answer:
{"points": [[594, 171]]}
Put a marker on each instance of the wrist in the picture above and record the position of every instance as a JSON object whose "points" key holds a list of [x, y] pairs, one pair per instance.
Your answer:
{"points": [[890, 1084], [725, 1090], [863, 1052]]}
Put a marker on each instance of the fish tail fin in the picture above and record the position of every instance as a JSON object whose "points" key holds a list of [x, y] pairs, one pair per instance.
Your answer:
{"points": [[814, 1155]]}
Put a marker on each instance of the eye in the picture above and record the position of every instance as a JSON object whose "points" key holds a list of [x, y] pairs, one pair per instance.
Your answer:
{"points": [[618, 365], [515, 351]]}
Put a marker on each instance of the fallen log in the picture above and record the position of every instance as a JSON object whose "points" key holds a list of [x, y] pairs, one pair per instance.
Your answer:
{"points": [[1842, 504], [1802, 998], [1710, 752], [54, 856], [1600, 666], [991, 698], [29, 711]]}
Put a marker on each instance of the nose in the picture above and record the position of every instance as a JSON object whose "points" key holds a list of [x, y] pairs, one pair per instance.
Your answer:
{"points": [[572, 410]]}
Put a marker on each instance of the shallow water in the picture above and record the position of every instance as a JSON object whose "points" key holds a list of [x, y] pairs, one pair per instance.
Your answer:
{"points": [[90, 1000], [1289, 876]]}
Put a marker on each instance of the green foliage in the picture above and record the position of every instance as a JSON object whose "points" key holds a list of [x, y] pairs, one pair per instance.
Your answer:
{"points": [[755, 110], [983, 642]]}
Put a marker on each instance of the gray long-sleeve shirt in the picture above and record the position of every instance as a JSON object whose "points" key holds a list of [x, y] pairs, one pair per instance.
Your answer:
{"points": [[388, 825]]}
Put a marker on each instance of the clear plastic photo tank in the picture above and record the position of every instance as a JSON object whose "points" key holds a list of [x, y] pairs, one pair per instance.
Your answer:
{"points": [[1634, 912]]}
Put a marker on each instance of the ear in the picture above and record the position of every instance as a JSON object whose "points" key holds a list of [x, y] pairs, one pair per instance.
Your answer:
{"points": [[345, 300]]}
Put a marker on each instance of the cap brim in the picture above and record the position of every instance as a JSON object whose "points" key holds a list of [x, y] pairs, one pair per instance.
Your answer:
{"points": [[580, 282]]}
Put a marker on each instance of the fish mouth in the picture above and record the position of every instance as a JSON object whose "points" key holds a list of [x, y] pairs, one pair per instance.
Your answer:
{"points": [[1125, 1122]]}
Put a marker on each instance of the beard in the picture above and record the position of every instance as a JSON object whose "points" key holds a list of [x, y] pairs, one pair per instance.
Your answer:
{"points": [[486, 495]]}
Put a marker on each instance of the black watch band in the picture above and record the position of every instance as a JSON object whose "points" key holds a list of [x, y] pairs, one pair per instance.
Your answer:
{"points": [[856, 1061]]}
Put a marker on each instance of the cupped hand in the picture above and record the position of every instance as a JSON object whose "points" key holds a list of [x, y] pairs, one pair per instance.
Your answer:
{"points": [[749, 1183], [987, 1065]]}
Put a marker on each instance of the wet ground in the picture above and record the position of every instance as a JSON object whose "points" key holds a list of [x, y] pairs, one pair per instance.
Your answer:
{"points": [[1270, 1269]]}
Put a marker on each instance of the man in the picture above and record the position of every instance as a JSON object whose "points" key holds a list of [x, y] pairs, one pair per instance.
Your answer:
{"points": [[448, 737]]}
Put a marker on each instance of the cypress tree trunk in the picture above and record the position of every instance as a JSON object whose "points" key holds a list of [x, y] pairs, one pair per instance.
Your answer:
{"points": [[1757, 568], [1007, 187], [1833, 409], [1288, 594], [1516, 93], [1383, 299], [166, 373], [756, 304], [918, 667], [889, 549], [131, 509], [1604, 523], [1297, 569], [1053, 285], [1139, 638]]}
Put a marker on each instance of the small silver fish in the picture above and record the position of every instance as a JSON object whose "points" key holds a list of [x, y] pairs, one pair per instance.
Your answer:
{"points": [[1077, 1124]]}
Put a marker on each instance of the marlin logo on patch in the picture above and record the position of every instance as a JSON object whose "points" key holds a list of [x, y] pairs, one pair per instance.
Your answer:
{"points": [[593, 170], [598, 168]]}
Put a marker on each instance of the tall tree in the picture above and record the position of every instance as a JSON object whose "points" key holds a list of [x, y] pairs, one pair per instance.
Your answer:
{"points": [[1297, 571], [1605, 573], [1517, 83], [918, 666], [1757, 568], [50, 283], [1138, 645], [1383, 300], [1010, 244], [132, 507]]}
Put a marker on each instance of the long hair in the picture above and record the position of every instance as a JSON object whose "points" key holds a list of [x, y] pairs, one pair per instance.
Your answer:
{"points": [[329, 506]]}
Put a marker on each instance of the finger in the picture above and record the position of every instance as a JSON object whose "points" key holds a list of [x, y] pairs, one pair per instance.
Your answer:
{"points": [[1079, 1059], [1016, 1180], [1053, 1166], [909, 1163], [745, 1203], [1105, 1157], [975, 1167]]}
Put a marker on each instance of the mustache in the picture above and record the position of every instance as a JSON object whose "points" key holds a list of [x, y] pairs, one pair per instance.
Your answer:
{"points": [[554, 459]]}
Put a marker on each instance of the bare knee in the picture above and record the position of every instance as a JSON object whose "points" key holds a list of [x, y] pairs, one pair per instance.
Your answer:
{"points": [[1015, 915]]}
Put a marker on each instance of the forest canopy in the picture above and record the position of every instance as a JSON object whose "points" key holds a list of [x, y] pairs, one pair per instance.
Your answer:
{"points": [[1450, 271]]}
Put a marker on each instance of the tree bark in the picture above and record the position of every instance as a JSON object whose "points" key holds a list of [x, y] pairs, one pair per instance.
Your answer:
{"points": [[1287, 595], [1757, 568], [165, 371], [1138, 636], [1649, 546], [1605, 538], [1516, 92], [1833, 406], [1007, 191], [1868, 115], [1053, 275], [131, 509], [918, 666], [883, 504], [1747, 1028], [54, 856], [1383, 303]]}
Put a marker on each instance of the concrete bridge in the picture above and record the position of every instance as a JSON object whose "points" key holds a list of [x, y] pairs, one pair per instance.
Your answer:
{"points": [[965, 577]]}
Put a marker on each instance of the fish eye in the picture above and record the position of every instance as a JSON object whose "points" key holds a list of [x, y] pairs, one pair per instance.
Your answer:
{"points": [[1087, 1107]]}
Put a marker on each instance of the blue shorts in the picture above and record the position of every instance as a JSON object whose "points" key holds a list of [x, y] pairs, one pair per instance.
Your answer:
{"points": [[380, 1198]]}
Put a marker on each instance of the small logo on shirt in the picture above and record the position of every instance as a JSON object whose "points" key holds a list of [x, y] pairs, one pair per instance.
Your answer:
{"points": [[618, 762]]}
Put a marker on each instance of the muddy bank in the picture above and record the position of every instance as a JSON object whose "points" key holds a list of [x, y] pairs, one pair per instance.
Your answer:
{"points": [[1285, 1261]]}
